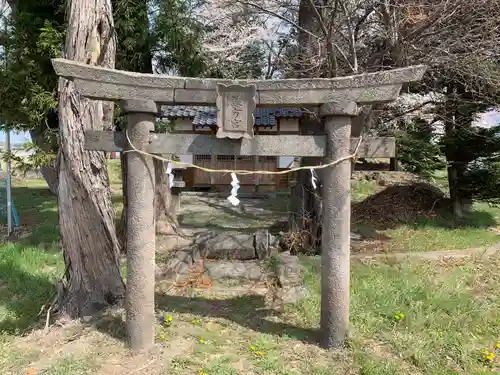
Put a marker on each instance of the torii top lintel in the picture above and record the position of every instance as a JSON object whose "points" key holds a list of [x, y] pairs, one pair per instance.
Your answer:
{"points": [[110, 84]]}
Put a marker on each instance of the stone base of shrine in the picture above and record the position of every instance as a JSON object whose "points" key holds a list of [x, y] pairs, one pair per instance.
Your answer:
{"points": [[279, 276]]}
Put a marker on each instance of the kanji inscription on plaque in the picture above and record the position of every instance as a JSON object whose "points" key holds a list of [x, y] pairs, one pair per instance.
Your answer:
{"points": [[235, 107]]}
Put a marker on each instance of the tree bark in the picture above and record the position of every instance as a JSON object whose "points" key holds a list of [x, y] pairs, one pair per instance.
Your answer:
{"points": [[13, 6], [50, 171], [140, 60], [51, 175], [450, 154], [306, 212], [86, 214], [165, 212], [305, 216], [453, 182], [122, 228]]}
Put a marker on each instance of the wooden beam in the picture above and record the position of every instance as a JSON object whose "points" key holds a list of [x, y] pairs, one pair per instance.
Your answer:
{"points": [[263, 145]]}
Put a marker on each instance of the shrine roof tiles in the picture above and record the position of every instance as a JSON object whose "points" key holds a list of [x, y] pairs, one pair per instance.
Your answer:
{"points": [[207, 116]]}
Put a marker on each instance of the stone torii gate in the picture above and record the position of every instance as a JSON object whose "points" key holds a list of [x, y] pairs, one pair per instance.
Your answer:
{"points": [[336, 100]]}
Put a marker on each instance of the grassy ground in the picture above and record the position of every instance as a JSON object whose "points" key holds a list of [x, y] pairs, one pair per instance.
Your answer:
{"points": [[479, 228], [450, 312]]}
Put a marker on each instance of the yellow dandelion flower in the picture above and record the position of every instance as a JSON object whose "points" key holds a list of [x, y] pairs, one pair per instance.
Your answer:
{"points": [[202, 340], [203, 373], [169, 319], [399, 316], [252, 348], [498, 345], [259, 353]]}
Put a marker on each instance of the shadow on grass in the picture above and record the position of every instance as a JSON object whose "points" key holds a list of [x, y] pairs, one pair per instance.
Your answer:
{"points": [[277, 204], [240, 212], [204, 228], [22, 293], [110, 324], [445, 220], [248, 311], [38, 214]]}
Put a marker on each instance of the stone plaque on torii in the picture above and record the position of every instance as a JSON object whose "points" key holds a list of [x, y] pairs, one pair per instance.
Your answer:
{"points": [[235, 107], [337, 101]]}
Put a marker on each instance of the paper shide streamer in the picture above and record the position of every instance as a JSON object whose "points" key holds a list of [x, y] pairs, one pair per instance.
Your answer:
{"points": [[170, 175], [233, 198], [313, 179]]}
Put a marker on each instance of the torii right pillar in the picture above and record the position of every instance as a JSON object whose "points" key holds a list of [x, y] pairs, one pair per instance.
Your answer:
{"points": [[335, 238]]}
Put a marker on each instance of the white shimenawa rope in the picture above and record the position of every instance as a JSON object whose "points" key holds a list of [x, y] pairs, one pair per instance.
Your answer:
{"points": [[235, 183], [242, 172]]}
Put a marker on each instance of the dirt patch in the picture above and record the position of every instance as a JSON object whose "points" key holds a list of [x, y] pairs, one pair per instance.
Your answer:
{"points": [[62, 340], [384, 352], [20, 232], [399, 204], [94, 344]]}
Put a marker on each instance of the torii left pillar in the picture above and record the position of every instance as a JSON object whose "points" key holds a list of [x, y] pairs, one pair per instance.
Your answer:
{"points": [[140, 304]]}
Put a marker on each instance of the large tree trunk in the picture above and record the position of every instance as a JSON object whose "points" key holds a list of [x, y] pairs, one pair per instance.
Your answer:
{"points": [[50, 174], [50, 171], [122, 226], [139, 59], [450, 150], [305, 215], [165, 212], [306, 212], [453, 182], [86, 214]]}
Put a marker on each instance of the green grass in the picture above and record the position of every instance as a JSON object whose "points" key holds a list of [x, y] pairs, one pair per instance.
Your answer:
{"points": [[70, 366], [27, 280], [114, 171], [363, 189], [451, 312], [480, 228]]}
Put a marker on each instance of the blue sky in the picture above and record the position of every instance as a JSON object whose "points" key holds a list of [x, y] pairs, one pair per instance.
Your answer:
{"points": [[16, 137]]}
